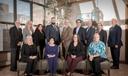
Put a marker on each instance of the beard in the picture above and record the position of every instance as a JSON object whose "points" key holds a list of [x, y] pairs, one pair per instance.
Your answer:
{"points": [[53, 23]]}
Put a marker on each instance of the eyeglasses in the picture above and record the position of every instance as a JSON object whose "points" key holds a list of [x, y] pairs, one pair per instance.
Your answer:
{"points": [[78, 22]]}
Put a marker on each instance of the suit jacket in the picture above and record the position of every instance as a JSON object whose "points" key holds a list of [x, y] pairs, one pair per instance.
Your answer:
{"points": [[103, 36], [81, 34], [89, 34], [15, 36], [115, 34], [51, 31], [66, 36]]}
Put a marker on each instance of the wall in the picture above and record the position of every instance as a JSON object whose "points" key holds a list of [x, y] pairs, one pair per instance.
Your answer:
{"points": [[126, 36]]}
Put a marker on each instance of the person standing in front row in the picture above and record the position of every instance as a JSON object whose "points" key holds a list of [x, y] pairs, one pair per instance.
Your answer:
{"points": [[75, 54], [97, 54], [39, 39], [52, 30], [51, 54], [16, 39], [115, 43]]}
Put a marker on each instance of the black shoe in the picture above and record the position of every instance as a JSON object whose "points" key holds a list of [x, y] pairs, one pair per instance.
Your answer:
{"points": [[14, 70], [102, 72], [114, 67]]}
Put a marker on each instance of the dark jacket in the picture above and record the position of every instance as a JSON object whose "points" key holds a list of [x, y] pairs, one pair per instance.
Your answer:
{"points": [[39, 38], [50, 31], [76, 50], [89, 35], [15, 36], [81, 34], [115, 34], [26, 51], [103, 36]]}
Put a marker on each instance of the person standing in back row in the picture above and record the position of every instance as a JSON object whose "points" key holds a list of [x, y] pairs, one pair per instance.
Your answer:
{"points": [[102, 33], [115, 42], [16, 39], [52, 30], [39, 39], [66, 37], [28, 30], [90, 30]]}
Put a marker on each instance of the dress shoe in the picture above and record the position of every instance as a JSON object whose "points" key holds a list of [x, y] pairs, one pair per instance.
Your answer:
{"points": [[14, 70], [114, 67]]}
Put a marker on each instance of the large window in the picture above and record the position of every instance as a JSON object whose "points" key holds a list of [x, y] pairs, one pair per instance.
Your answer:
{"points": [[86, 9], [121, 8], [6, 11], [38, 14], [107, 9], [23, 11]]}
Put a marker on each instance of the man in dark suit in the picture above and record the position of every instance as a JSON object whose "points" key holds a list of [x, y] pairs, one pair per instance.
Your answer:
{"points": [[102, 33], [80, 31], [90, 31], [52, 30], [115, 43], [16, 38]]}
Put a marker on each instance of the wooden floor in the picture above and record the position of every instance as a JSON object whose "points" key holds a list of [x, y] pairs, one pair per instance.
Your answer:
{"points": [[123, 71]]}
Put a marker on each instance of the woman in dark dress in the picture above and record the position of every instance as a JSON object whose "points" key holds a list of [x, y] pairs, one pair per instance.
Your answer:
{"points": [[29, 55], [75, 54], [51, 53], [39, 39]]}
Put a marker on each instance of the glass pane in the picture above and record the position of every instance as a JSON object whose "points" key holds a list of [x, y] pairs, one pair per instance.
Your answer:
{"points": [[23, 11], [39, 1], [86, 9], [108, 10], [6, 11], [38, 14], [121, 8]]}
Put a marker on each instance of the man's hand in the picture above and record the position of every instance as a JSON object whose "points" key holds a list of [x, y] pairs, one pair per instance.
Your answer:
{"points": [[116, 46]]}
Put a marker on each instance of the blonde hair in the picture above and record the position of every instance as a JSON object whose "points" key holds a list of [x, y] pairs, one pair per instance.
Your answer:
{"points": [[28, 37]]}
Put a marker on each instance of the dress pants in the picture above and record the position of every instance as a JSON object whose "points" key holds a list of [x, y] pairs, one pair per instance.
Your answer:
{"points": [[72, 63], [52, 63], [40, 49], [95, 64], [115, 52], [14, 57], [31, 66]]}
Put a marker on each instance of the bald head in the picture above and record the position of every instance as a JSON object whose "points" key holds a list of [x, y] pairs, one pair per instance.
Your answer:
{"points": [[114, 21]]}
